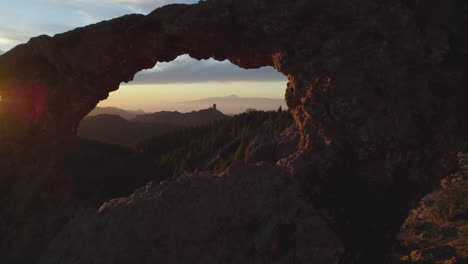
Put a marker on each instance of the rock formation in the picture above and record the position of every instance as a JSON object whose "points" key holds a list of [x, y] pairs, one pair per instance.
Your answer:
{"points": [[377, 89], [437, 231]]}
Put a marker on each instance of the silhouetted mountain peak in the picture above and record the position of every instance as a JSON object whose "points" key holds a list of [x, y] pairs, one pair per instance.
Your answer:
{"points": [[233, 104], [193, 118]]}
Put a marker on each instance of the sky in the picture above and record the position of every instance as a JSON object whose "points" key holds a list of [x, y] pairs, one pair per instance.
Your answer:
{"points": [[183, 79]]}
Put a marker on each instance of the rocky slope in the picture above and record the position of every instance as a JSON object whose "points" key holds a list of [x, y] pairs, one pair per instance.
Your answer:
{"points": [[437, 231], [233, 104], [377, 89], [238, 217], [264, 148]]}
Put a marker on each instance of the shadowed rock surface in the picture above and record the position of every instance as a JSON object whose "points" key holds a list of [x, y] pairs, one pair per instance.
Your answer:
{"points": [[250, 213], [377, 89]]}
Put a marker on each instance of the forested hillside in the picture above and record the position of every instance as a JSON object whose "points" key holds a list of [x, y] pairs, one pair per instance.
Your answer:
{"points": [[225, 140], [102, 171]]}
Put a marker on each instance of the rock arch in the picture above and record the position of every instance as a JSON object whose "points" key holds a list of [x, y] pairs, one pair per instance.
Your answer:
{"points": [[99, 57], [377, 89]]}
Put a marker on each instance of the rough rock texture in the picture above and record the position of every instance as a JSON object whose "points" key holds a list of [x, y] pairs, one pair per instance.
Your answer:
{"points": [[249, 214], [377, 89], [437, 231]]}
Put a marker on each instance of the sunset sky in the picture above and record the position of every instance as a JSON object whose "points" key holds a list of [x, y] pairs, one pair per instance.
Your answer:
{"points": [[181, 80]]}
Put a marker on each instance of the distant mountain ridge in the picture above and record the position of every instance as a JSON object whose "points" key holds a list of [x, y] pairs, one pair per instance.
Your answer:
{"points": [[193, 118], [110, 110], [126, 127], [118, 130], [233, 104]]}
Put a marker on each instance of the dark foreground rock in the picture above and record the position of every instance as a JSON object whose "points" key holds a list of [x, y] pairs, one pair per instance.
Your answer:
{"points": [[247, 214]]}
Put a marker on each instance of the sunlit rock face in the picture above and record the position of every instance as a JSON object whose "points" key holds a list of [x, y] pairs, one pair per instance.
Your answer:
{"points": [[377, 90]]}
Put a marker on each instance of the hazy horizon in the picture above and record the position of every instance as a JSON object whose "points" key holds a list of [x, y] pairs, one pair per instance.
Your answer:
{"points": [[228, 104], [153, 98]]}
